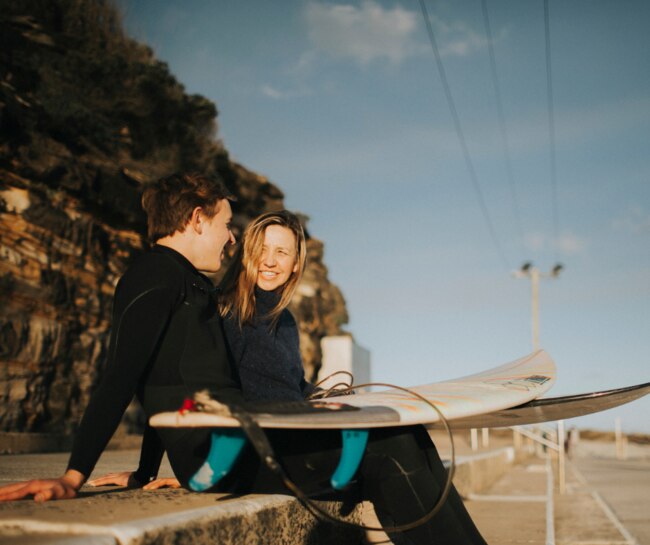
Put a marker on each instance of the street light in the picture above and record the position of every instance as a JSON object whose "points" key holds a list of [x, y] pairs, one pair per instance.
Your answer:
{"points": [[528, 270]]}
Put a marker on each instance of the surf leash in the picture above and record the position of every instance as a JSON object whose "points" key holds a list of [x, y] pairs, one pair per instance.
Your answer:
{"points": [[322, 514], [265, 451]]}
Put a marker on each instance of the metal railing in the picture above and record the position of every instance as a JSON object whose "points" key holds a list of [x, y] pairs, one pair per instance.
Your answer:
{"points": [[546, 438], [553, 438]]}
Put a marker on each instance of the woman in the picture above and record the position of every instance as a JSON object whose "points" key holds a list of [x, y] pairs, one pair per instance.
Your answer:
{"points": [[261, 333], [264, 343], [401, 472]]}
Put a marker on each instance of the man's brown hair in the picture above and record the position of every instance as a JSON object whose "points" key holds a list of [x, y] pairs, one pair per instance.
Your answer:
{"points": [[169, 202]]}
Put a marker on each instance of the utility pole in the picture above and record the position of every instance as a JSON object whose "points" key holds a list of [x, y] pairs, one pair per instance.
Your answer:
{"points": [[534, 274], [527, 270]]}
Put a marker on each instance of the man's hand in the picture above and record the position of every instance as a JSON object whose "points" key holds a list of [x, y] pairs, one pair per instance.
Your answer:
{"points": [[125, 478], [62, 488], [122, 478], [163, 483]]}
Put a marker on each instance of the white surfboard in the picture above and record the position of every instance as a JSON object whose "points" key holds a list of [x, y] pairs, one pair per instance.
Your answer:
{"points": [[509, 385]]}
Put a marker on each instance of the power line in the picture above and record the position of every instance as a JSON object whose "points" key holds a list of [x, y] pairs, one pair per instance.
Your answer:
{"points": [[461, 137], [502, 123], [551, 128]]}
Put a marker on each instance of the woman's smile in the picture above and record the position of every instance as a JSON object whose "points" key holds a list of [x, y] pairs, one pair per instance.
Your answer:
{"points": [[278, 260]]}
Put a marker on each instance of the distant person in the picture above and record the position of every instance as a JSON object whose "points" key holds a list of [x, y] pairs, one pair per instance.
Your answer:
{"points": [[165, 312], [568, 441]]}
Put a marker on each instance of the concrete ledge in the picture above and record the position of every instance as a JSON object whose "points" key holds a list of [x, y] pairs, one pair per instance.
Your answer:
{"points": [[137, 517], [115, 516]]}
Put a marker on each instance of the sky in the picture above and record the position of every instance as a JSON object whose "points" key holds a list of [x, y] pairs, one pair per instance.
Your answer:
{"points": [[342, 105]]}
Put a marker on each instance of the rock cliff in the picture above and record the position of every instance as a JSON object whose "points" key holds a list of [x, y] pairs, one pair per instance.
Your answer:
{"points": [[87, 116]]}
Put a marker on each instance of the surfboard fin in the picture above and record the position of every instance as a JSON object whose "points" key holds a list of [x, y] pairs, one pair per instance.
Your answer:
{"points": [[354, 445], [226, 446]]}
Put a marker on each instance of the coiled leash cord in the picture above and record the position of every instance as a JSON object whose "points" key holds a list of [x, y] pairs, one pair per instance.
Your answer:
{"points": [[263, 447], [335, 389]]}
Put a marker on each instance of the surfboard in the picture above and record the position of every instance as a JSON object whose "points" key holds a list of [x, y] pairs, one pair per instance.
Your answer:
{"points": [[508, 385], [553, 408], [508, 395]]}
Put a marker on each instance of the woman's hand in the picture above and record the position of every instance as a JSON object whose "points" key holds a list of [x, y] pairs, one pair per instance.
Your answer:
{"points": [[121, 478], [42, 490], [162, 483]]}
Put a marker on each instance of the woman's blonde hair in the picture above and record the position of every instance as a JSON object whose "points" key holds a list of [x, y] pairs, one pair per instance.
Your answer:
{"points": [[238, 286]]}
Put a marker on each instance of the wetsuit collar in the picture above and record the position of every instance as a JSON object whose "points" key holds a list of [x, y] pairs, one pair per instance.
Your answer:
{"points": [[177, 256], [207, 284]]}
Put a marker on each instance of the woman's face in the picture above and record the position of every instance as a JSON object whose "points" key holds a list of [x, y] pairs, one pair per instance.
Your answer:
{"points": [[278, 261]]}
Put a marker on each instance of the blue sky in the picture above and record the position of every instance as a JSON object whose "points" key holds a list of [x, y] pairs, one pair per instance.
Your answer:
{"points": [[342, 106]]}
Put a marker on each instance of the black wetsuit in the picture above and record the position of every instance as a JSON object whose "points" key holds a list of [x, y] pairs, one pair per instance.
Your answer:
{"points": [[167, 342]]}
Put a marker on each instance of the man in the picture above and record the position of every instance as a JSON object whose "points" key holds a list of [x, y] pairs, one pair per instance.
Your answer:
{"points": [[166, 340], [167, 343]]}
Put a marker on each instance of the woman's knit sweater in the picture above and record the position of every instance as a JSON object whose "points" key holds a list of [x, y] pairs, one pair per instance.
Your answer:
{"points": [[268, 359]]}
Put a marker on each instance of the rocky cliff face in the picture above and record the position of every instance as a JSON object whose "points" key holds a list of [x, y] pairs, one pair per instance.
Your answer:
{"points": [[86, 117]]}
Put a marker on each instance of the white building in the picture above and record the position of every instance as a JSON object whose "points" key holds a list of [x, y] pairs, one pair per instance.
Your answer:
{"points": [[341, 353]]}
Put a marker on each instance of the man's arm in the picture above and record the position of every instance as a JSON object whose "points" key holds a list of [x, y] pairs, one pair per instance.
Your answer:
{"points": [[136, 333], [64, 487], [139, 320], [151, 454]]}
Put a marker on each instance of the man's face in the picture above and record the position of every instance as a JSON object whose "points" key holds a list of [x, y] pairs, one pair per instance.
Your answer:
{"points": [[215, 235]]}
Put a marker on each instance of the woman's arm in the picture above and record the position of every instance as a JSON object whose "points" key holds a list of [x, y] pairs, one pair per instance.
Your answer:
{"points": [[307, 388]]}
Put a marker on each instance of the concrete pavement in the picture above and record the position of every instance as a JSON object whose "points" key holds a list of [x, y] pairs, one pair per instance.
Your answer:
{"points": [[607, 501], [621, 487]]}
